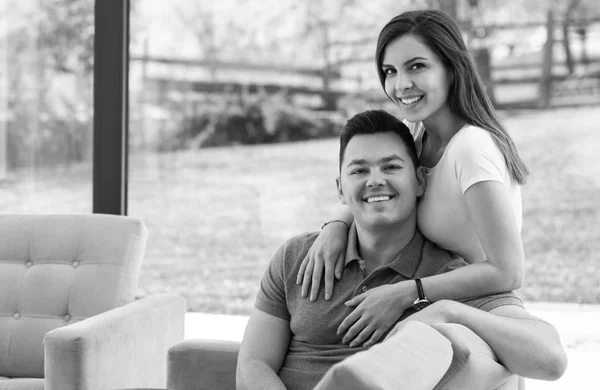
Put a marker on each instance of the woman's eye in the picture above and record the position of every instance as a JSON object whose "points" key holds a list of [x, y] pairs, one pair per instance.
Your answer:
{"points": [[417, 66], [389, 71]]}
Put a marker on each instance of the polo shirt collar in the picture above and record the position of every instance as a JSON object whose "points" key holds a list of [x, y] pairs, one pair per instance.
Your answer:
{"points": [[407, 261]]}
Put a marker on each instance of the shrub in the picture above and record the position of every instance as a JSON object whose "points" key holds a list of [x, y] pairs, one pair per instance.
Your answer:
{"points": [[250, 119]]}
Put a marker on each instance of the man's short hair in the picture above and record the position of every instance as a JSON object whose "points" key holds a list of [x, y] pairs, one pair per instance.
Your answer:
{"points": [[374, 122]]}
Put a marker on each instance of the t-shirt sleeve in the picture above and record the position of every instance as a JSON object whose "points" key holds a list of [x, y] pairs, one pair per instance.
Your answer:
{"points": [[476, 158], [271, 292]]}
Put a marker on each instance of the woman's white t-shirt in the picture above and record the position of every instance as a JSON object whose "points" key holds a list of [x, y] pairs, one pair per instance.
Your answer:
{"points": [[470, 157]]}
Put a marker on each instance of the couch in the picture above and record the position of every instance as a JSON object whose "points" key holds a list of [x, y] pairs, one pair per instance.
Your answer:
{"points": [[68, 314], [457, 359]]}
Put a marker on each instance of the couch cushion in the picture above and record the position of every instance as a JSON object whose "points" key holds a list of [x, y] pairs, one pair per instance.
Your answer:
{"points": [[21, 384], [59, 269]]}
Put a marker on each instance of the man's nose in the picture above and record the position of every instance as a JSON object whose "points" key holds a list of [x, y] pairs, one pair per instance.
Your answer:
{"points": [[375, 179]]}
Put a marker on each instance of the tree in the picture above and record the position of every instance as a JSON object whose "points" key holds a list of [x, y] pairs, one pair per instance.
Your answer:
{"points": [[548, 61], [567, 20], [337, 34], [50, 44]]}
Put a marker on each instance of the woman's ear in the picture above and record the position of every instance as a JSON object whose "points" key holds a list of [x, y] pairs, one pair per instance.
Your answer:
{"points": [[338, 183], [421, 180]]}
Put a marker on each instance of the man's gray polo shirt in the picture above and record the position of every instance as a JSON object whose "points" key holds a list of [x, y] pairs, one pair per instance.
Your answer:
{"points": [[315, 346]]}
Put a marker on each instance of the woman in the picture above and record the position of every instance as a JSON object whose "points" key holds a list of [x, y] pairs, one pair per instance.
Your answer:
{"points": [[472, 205]]}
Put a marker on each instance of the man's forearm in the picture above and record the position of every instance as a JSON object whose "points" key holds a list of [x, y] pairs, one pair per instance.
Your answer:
{"points": [[257, 375], [528, 347]]}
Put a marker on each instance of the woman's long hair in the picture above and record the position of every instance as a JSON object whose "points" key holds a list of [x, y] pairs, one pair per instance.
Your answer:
{"points": [[466, 96]]}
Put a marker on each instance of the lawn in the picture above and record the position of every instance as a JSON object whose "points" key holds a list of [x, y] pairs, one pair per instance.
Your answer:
{"points": [[215, 216]]}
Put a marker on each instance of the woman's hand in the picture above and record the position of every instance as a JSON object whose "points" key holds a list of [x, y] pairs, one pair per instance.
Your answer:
{"points": [[327, 252], [436, 313], [376, 311]]}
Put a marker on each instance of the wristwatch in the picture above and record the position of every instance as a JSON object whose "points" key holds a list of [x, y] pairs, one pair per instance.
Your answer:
{"points": [[422, 302]]}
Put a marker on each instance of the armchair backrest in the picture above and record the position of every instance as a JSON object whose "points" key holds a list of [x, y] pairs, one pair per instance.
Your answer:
{"points": [[59, 269]]}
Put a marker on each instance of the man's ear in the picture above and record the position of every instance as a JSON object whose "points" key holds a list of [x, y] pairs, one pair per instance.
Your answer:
{"points": [[338, 183], [421, 181]]}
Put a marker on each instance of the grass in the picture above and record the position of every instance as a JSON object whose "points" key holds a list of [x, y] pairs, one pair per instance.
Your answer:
{"points": [[215, 216], [561, 204], [233, 206]]}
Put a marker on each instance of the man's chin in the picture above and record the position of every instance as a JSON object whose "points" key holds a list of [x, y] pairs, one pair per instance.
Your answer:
{"points": [[380, 223]]}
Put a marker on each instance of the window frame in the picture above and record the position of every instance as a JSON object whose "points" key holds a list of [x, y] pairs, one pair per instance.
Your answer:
{"points": [[111, 75]]}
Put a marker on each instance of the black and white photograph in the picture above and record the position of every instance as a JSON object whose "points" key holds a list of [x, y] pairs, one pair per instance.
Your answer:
{"points": [[299, 194]]}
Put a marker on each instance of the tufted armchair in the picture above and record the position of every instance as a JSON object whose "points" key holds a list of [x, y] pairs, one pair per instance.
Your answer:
{"points": [[68, 319]]}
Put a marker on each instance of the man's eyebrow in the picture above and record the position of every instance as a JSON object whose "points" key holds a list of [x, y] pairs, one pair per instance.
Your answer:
{"points": [[406, 62], [362, 161], [391, 158]]}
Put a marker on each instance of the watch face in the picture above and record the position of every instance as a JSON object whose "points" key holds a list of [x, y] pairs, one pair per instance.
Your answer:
{"points": [[421, 304]]}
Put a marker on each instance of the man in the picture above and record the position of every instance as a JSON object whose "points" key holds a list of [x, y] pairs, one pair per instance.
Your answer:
{"points": [[290, 342]]}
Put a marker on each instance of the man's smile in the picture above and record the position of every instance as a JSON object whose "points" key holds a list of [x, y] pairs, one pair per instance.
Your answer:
{"points": [[380, 198]]}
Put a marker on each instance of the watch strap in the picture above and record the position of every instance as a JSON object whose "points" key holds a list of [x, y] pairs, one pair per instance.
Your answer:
{"points": [[422, 301], [420, 291]]}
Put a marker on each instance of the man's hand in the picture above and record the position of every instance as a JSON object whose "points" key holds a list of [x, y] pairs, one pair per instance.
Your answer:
{"points": [[376, 311]]}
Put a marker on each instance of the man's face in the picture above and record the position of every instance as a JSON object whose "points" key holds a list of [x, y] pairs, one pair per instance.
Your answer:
{"points": [[378, 180]]}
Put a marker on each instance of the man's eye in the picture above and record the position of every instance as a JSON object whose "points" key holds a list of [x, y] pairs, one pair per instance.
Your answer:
{"points": [[357, 171], [393, 167]]}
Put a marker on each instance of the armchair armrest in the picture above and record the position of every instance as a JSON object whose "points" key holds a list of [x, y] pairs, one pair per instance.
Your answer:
{"points": [[123, 347], [199, 364]]}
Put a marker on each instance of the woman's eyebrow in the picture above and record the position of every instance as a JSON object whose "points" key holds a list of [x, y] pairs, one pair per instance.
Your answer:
{"points": [[415, 59], [406, 62]]}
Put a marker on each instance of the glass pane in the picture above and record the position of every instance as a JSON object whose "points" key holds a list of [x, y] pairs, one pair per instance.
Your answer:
{"points": [[234, 111], [46, 64], [204, 85]]}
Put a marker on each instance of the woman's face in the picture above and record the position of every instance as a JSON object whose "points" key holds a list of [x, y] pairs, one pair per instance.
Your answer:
{"points": [[415, 78]]}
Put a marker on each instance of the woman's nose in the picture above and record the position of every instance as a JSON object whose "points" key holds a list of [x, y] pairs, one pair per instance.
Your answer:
{"points": [[403, 83]]}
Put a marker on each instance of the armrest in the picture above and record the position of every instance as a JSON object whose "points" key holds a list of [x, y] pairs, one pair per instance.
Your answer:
{"points": [[123, 347], [202, 365]]}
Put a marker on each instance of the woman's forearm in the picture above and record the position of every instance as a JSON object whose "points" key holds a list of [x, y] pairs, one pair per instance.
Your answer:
{"points": [[473, 280], [344, 215]]}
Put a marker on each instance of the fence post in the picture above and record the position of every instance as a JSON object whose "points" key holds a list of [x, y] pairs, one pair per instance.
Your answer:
{"points": [[4, 114], [484, 67], [545, 89]]}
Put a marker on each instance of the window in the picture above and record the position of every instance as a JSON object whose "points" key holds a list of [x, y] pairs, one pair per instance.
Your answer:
{"points": [[212, 92], [234, 108], [46, 111]]}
